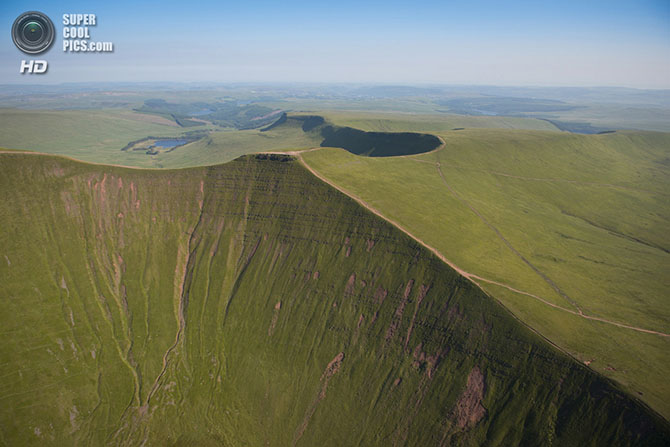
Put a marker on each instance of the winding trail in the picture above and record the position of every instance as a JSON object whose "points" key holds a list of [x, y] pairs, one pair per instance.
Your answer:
{"points": [[475, 279], [541, 274]]}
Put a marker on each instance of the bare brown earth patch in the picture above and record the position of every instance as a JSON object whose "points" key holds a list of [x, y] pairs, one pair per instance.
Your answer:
{"points": [[397, 316], [349, 288], [275, 317], [427, 363], [332, 369], [71, 207], [469, 409], [423, 291], [347, 247], [380, 295]]}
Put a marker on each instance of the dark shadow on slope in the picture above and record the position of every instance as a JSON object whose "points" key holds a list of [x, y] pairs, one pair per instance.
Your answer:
{"points": [[360, 142], [378, 144], [578, 127], [279, 122], [310, 122]]}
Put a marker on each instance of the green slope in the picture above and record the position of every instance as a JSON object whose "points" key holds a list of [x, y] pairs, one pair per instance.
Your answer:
{"points": [[579, 221], [251, 304], [220, 147], [99, 135], [424, 122], [91, 135]]}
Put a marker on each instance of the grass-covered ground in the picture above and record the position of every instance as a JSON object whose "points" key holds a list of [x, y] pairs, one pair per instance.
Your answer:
{"points": [[99, 135], [90, 135], [579, 221], [407, 122], [223, 146], [577, 225], [252, 304]]}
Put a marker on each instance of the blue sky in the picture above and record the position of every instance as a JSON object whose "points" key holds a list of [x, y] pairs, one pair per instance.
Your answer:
{"points": [[562, 42]]}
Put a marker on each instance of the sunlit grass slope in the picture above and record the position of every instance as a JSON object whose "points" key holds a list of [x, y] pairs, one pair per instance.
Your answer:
{"points": [[408, 122], [220, 147], [91, 135], [99, 135], [581, 222], [251, 304]]}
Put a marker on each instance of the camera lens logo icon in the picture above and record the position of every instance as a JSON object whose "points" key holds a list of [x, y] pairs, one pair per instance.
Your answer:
{"points": [[33, 32]]}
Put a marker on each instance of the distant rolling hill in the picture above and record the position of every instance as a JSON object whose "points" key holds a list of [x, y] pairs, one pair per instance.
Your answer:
{"points": [[251, 304], [99, 135]]}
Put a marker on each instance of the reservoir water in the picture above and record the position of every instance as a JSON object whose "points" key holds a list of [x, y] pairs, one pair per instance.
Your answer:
{"points": [[170, 143]]}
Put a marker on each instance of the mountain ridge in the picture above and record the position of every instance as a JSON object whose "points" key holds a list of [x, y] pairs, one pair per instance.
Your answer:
{"points": [[338, 298]]}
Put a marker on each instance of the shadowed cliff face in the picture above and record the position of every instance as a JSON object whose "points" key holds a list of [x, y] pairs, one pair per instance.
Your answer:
{"points": [[360, 142], [251, 304], [378, 144]]}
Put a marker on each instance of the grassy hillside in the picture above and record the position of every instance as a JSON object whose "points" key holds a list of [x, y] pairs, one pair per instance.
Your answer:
{"points": [[220, 147], [251, 304], [407, 122], [99, 135], [91, 135], [580, 222], [222, 113]]}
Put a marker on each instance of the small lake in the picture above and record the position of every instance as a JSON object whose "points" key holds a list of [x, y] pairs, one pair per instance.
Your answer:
{"points": [[170, 143]]}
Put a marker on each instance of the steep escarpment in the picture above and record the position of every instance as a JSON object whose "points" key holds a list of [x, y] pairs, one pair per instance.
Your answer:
{"points": [[251, 304]]}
